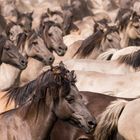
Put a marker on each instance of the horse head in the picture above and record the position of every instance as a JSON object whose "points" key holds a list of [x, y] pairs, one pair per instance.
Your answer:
{"points": [[10, 54]]}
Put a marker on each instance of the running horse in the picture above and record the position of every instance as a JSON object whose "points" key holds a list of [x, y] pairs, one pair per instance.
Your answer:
{"points": [[55, 97]]}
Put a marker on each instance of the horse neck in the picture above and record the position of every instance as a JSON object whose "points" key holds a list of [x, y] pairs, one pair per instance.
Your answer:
{"points": [[40, 125], [8, 76], [33, 69], [124, 38]]}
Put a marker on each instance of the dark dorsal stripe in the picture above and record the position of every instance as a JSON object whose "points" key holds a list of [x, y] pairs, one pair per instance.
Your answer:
{"points": [[132, 59]]}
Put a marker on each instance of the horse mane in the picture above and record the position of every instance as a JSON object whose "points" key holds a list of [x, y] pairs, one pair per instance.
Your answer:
{"points": [[55, 12], [124, 16], [3, 22], [106, 128], [48, 82], [89, 44], [2, 43], [48, 24], [132, 59], [9, 26], [111, 29], [85, 9], [21, 39]]}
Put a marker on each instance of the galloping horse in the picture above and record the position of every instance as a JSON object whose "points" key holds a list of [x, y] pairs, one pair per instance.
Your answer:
{"points": [[55, 96]]}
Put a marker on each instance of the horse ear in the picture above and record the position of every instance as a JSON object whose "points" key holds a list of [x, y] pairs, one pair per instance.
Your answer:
{"points": [[30, 14], [49, 12], [134, 14]]}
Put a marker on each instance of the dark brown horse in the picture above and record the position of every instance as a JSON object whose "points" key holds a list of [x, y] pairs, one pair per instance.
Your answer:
{"points": [[55, 97], [11, 63], [96, 103], [10, 55], [25, 20]]}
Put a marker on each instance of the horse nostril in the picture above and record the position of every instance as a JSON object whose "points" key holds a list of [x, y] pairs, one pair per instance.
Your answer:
{"points": [[23, 62], [60, 48], [92, 123]]}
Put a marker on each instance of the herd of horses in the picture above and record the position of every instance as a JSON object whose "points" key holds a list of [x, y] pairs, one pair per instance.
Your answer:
{"points": [[69, 70]]}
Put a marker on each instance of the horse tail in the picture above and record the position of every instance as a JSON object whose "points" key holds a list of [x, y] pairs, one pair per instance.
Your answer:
{"points": [[108, 120], [107, 55]]}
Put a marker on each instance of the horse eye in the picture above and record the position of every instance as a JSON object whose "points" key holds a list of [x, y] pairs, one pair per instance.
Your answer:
{"points": [[11, 33], [70, 99], [136, 26], [7, 48], [49, 34], [110, 40], [35, 43]]}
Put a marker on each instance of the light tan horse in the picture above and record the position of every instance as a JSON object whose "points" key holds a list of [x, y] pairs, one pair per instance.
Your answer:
{"points": [[117, 85], [124, 51], [123, 65], [120, 120]]}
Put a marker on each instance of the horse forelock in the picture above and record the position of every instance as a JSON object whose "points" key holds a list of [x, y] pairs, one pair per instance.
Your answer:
{"points": [[132, 59], [9, 26], [107, 122], [36, 90]]}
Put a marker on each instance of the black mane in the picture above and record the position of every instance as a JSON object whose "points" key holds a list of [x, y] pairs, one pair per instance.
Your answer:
{"points": [[132, 59], [36, 90]]}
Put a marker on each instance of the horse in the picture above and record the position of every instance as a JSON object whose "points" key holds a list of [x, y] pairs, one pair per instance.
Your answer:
{"points": [[123, 65], [118, 124], [34, 48], [55, 97], [93, 45], [25, 20], [129, 26], [11, 60], [110, 84], [97, 104], [131, 50], [99, 42], [8, 10], [52, 35]]}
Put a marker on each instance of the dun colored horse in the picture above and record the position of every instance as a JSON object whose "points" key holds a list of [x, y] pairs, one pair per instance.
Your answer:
{"points": [[55, 97], [12, 62]]}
